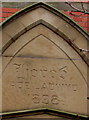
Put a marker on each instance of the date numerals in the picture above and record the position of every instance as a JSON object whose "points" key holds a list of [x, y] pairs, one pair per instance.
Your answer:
{"points": [[45, 99]]}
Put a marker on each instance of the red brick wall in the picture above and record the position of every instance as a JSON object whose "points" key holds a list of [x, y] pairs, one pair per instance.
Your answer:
{"points": [[6, 12], [79, 18]]}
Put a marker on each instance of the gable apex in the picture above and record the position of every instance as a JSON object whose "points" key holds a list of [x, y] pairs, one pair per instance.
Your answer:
{"points": [[49, 8]]}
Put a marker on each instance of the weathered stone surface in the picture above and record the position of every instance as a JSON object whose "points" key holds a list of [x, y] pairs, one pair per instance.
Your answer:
{"points": [[56, 21], [40, 68]]}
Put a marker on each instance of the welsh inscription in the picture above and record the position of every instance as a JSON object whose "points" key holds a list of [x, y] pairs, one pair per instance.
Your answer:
{"points": [[34, 81]]}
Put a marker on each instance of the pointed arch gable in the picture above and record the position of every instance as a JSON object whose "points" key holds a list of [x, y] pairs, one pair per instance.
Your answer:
{"points": [[64, 31], [57, 31], [43, 111], [47, 46], [49, 8]]}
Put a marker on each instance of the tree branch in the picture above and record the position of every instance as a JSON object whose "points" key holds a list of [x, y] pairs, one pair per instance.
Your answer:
{"points": [[78, 10]]}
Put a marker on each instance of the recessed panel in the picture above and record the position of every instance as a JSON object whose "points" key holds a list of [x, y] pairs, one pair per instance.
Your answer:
{"points": [[42, 75]]}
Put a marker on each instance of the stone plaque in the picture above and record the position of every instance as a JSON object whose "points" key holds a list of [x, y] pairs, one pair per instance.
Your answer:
{"points": [[42, 76], [41, 70]]}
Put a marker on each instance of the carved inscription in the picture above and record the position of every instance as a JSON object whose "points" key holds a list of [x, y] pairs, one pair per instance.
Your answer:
{"points": [[35, 81], [25, 72]]}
